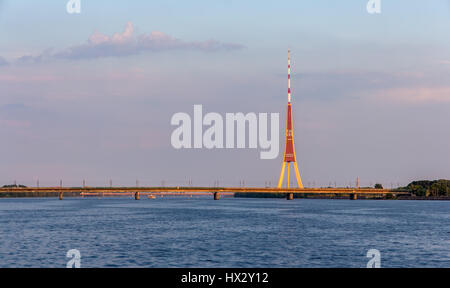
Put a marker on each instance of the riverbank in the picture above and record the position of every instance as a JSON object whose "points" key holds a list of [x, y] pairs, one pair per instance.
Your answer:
{"points": [[360, 197], [27, 194], [243, 195]]}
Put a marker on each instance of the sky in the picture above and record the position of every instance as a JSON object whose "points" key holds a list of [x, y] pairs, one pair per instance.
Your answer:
{"points": [[91, 95]]}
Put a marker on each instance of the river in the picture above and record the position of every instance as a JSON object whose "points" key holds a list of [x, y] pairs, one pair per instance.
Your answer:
{"points": [[231, 232]]}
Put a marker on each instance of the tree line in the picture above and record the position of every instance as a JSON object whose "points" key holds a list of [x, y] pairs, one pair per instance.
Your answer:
{"points": [[427, 188]]}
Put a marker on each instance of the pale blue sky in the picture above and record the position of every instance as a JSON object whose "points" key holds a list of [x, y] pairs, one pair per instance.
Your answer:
{"points": [[44, 24], [371, 92]]}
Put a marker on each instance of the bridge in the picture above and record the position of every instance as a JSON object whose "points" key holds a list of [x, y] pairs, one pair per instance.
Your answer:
{"points": [[188, 191]]}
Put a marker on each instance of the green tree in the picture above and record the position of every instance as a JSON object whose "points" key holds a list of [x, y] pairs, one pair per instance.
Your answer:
{"points": [[378, 186], [427, 188]]}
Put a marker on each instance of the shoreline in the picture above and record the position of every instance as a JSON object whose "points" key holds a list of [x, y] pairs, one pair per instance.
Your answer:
{"points": [[31, 195], [363, 197]]}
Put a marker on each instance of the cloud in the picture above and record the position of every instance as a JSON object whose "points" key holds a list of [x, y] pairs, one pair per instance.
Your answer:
{"points": [[11, 116], [405, 86], [417, 95], [18, 78], [127, 43], [12, 107], [3, 62], [6, 123]]}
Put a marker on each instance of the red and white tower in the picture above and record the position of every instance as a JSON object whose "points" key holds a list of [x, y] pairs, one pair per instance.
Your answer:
{"points": [[289, 150]]}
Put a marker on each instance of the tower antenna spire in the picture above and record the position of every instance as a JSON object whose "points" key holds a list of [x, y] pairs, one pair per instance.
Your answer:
{"points": [[289, 76]]}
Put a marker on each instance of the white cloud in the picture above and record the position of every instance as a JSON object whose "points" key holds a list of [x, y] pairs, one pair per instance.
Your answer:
{"points": [[127, 43]]}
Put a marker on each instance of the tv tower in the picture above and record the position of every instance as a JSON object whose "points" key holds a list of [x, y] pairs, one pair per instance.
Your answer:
{"points": [[289, 150]]}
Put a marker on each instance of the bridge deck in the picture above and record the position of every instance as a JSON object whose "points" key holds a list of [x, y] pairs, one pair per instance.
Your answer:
{"points": [[193, 190]]}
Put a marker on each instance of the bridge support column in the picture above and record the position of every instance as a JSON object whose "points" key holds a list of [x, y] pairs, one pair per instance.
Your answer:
{"points": [[290, 196], [136, 195], [61, 195], [353, 196], [216, 196]]}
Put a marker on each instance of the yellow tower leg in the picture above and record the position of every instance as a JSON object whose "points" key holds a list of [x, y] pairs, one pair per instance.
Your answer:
{"points": [[297, 174], [288, 175], [280, 181]]}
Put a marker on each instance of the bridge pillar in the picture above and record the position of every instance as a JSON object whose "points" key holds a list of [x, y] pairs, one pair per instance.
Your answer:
{"points": [[353, 196], [290, 196], [136, 195], [60, 195], [216, 196]]}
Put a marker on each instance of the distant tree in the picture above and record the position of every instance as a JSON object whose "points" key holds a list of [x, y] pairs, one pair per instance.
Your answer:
{"points": [[427, 188], [378, 186], [417, 190], [440, 188], [14, 186]]}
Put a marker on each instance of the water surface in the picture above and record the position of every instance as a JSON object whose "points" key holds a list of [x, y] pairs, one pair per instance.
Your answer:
{"points": [[200, 232]]}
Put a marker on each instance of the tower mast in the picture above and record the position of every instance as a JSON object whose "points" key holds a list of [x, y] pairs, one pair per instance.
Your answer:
{"points": [[289, 150]]}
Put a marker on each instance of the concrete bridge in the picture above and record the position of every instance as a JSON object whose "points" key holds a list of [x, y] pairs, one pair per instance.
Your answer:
{"points": [[177, 191]]}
